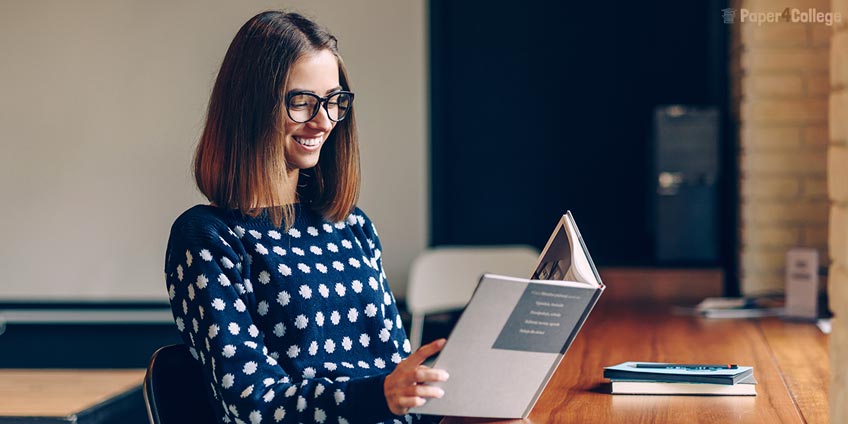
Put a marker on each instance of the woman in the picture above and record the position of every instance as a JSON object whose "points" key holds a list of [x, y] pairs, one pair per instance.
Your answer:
{"points": [[278, 286]]}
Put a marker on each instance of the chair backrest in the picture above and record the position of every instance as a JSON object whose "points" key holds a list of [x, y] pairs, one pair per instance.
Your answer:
{"points": [[174, 391], [444, 278]]}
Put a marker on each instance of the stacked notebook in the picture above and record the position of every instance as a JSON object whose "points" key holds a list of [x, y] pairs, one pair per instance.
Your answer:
{"points": [[654, 378]]}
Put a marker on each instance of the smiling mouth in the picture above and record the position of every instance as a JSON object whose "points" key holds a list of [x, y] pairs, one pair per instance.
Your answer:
{"points": [[309, 142]]}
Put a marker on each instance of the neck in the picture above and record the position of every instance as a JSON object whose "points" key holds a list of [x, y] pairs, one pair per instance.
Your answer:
{"points": [[289, 191]]}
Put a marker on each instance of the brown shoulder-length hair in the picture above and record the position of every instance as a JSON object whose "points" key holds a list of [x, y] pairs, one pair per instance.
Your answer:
{"points": [[240, 159]]}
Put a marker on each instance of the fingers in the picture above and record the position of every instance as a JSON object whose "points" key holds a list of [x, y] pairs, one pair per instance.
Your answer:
{"points": [[415, 396], [401, 399], [419, 356], [422, 374], [406, 387], [424, 391], [411, 402], [426, 374]]}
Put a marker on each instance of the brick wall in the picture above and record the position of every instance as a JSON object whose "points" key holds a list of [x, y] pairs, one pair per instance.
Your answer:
{"points": [[780, 74], [790, 91], [837, 164]]}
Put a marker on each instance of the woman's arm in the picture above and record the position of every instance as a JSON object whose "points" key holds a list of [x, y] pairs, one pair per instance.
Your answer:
{"points": [[403, 388]]}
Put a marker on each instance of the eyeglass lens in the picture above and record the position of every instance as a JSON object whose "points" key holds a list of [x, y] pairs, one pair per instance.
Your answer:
{"points": [[304, 106]]}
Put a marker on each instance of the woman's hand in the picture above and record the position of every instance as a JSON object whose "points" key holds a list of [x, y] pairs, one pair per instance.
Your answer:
{"points": [[403, 388]]}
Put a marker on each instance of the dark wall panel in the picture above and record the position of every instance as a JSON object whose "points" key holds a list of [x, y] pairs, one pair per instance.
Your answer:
{"points": [[538, 107]]}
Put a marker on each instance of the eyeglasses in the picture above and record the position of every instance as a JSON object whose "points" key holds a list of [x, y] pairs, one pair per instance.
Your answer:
{"points": [[302, 106]]}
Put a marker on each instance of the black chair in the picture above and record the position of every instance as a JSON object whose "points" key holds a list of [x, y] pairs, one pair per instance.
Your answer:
{"points": [[174, 391]]}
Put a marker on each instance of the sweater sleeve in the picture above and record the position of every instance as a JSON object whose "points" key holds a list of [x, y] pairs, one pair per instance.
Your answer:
{"points": [[209, 295], [375, 254], [375, 250]]}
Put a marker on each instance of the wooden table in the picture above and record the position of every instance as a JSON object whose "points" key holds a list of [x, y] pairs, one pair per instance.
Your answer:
{"points": [[790, 363], [69, 396]]}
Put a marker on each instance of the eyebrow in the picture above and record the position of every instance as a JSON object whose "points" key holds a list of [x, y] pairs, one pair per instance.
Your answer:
{"points": [[298, 90]]}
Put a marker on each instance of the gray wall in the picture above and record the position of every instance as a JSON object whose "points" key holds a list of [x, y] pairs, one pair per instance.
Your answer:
{"points": [[103, 101]]}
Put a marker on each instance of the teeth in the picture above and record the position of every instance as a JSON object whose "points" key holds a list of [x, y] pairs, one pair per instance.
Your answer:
{"points": [[310, 142]]}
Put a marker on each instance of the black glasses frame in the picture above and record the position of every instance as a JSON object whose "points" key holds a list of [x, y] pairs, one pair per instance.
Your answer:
{"points": [[322, 102]]}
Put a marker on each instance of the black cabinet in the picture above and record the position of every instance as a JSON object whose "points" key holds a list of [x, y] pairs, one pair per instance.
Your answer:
{"points": [[685, 200]]}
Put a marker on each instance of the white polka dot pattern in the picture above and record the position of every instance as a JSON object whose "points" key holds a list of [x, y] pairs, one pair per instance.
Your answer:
{"points": [[298, 344]]}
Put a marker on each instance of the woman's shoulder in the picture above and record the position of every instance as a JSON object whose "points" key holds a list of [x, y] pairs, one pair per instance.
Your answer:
{"points": [[203, 230], [358, 217], [201, 221]]}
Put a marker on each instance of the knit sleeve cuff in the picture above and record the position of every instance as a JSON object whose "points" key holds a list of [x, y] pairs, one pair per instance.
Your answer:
{"points": [[367, 397]]}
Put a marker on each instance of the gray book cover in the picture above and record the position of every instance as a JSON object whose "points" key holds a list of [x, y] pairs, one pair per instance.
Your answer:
{"points": [[514, 332]]}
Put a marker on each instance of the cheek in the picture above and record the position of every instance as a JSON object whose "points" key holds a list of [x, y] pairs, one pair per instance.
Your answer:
{"points": [[290, 128]]}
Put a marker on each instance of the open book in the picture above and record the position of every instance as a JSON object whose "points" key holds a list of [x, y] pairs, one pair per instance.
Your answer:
{"points": [[514, 332]]}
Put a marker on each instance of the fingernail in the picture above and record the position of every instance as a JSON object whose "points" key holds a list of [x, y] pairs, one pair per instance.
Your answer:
{"points": [[445, 376], [440, 394]]}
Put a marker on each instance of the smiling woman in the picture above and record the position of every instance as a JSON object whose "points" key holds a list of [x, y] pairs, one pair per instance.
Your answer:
{"points": [[251, 125], [278, 286], [308, 126]]}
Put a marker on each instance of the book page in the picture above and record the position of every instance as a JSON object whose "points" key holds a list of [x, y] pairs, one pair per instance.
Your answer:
{"points": [[555, 259], [554, 270], [564, 257], [581, 264]]}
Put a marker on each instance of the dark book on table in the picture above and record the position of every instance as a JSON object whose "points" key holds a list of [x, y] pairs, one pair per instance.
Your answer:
{"points": [[629, 371]]}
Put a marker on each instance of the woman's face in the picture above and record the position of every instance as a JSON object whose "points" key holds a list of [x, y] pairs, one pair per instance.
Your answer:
{"points": [[317, 73]]}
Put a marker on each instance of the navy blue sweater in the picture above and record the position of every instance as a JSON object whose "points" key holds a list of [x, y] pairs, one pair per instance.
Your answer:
{"points": [[296, 326]]}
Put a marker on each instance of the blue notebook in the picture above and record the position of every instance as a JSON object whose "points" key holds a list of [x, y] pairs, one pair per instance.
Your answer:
{"points": [[629, 371]]}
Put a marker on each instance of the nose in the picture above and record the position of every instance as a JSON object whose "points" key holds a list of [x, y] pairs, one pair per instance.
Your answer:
{"points": [[321, 121]]}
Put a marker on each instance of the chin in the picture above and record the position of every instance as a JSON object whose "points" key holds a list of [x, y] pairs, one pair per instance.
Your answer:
{"points": [[298, 159], [301, 165]]}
